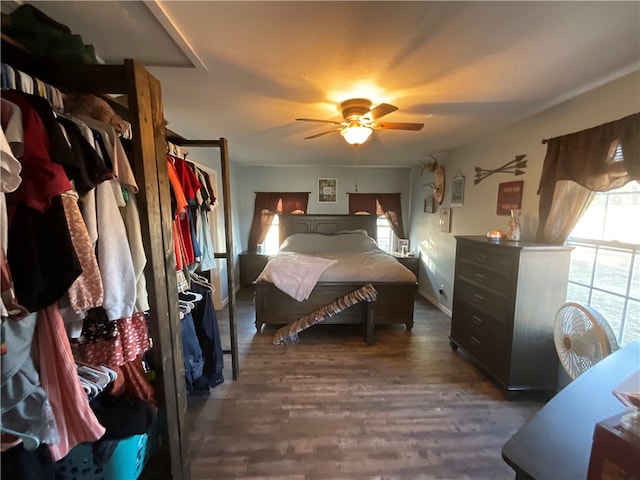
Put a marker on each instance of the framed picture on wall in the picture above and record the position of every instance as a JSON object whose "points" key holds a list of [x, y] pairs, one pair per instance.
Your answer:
{"points": [[509, 197], [457, 190], [327, 190], [445, 219], [429, 204]]}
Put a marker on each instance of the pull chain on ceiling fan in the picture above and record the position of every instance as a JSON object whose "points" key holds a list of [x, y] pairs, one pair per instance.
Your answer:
{"points": [[360, 120]]}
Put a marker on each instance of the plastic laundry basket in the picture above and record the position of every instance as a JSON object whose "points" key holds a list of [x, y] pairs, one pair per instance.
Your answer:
{"points": [[126, 463]]}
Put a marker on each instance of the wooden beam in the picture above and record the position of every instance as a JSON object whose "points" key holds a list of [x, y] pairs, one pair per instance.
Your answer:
{"points": [[150, 168]]}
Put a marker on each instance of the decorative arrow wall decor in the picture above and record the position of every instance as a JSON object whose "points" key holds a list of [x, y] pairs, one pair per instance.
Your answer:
{"points": [[515, 166]]}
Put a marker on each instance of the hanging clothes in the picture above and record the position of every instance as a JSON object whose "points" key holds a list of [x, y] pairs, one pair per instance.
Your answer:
{"points": [[131, 219], [113, 343], [114, 254], [74, 178], [75, 420], [42, 178], [41, 256], [120, 166], [86, 292], [26, 411], [192, 355], [208, 261], [179, 204], [190, 186], [212, 240], [208, 333], [92, 167], [39, 251], [10, 179]]}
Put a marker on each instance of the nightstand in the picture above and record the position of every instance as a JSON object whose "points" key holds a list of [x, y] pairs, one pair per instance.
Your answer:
{"points": [[251, 264], [411, 262]]}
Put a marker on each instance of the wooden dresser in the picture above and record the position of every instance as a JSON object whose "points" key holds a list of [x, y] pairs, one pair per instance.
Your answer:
{"points": [[505, 298]]}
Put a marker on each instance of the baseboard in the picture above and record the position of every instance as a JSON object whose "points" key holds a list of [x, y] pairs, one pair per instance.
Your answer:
{"points": [[224, 302], [431, 299]]}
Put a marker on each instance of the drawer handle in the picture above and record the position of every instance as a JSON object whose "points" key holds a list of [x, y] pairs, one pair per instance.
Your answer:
{"points": [[481, 258], [478, 298], [475, 341], [480, 277], [476, 320]]}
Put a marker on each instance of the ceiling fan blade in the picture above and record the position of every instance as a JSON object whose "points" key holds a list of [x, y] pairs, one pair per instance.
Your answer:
{"points": [[381, 110], [399, 126], [317, 120], [323, 133]]}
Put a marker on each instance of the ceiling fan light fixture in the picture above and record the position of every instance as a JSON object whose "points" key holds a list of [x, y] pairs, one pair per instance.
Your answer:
{"points": [[356, 135]]}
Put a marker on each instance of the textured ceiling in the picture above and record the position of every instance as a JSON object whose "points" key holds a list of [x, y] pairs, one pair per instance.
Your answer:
{"points": [[246, 70]]}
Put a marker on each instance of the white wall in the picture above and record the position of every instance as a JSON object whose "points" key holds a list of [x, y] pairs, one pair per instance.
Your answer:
{"points": [[478, 215], [246, 180], [251, 179]]}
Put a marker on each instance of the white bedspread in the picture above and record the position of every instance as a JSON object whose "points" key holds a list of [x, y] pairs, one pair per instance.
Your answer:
{"points": [[305, 259]]}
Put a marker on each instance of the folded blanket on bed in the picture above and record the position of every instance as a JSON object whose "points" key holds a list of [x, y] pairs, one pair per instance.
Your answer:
{"points": [[295, 274]]}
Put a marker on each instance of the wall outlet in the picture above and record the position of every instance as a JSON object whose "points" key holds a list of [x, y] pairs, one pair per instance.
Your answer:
{"points": [[441, 291]]}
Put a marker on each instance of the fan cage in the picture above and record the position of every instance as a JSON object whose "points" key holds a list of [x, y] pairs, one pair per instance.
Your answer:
{"points": [[582, 337]]}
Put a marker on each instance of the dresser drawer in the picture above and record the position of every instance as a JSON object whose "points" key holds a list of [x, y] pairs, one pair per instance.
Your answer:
{"points": [[494, 304], [497, 281], [492, 356], [480, 323], [487, 256]]}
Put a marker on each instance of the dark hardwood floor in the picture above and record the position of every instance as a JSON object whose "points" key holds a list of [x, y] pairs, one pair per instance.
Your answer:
{"points": [[331, 407]]}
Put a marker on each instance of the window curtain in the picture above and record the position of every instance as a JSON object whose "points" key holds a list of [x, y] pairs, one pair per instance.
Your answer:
{"points": [[390, 206], [294, 202], [267, 205], [579, 164]]}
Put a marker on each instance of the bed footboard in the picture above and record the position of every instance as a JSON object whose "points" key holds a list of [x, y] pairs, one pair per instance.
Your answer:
{"points": [[394, 304]]}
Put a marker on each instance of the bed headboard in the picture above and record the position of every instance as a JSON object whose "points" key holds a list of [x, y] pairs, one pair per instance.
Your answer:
{"points": [[326, 224]]}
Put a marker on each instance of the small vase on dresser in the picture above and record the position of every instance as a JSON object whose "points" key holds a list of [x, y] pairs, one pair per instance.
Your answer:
{"points": [[513, 229]]}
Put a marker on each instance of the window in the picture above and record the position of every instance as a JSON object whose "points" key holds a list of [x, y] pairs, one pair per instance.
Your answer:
{"points": [[272, 240], [385, 235], [605, 264]]}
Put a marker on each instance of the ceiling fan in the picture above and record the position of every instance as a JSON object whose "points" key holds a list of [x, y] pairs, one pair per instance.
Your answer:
{"points": [[360, 120]]}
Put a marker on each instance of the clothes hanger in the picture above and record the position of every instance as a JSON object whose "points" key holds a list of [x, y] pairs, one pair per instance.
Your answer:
{"points": [[100, 379], [200, 279], [35, 86], [89, 389], [191, 296], [185, 307], [100, 368], [203, 283]]}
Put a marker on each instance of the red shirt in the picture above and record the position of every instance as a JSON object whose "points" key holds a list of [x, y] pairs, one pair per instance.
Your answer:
{"points": [[42, 180]]}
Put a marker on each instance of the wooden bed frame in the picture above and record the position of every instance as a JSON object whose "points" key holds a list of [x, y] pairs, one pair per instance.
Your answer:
{"points": [[394, 304]]}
